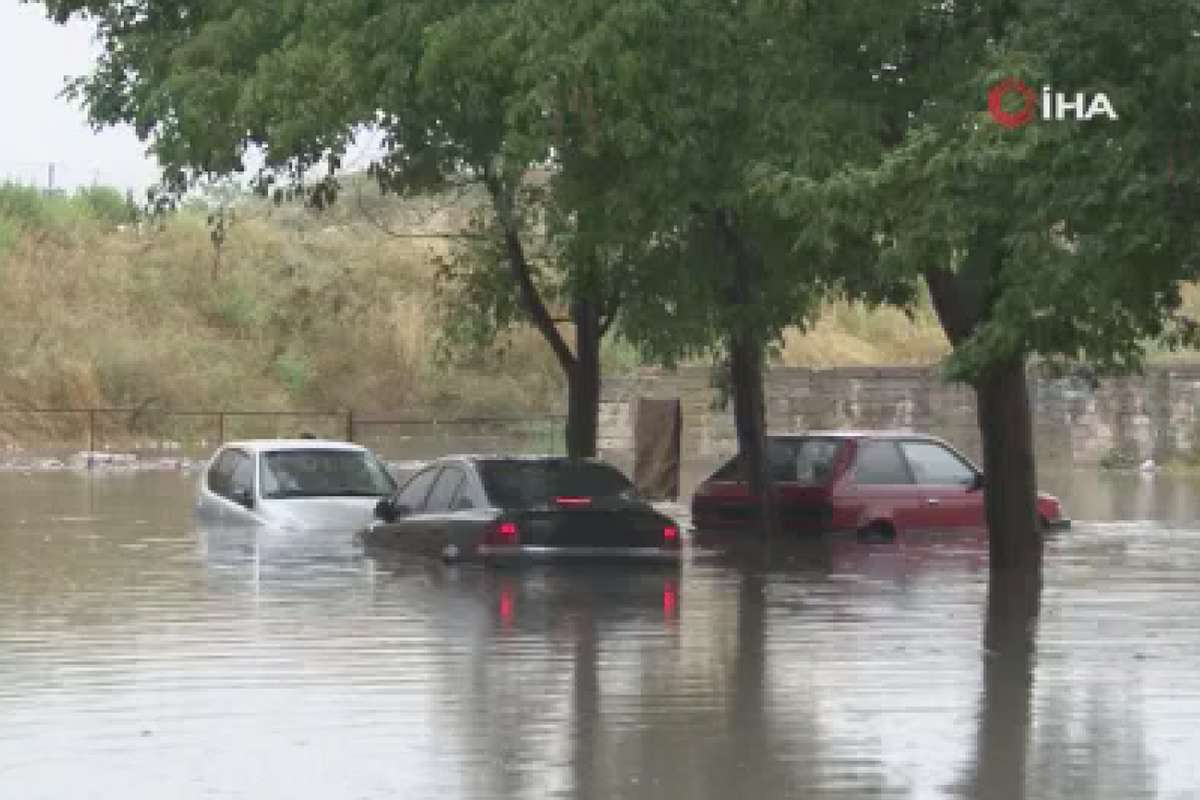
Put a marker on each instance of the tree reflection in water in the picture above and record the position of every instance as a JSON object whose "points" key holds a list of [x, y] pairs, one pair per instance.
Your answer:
{"points": [[1010, 632]]}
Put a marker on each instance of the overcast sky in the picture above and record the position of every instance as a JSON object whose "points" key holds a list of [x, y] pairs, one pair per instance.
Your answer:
{"points": [[39, 127]]}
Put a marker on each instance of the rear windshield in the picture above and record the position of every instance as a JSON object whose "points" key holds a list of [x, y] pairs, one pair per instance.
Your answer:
{"points": [[804, 461], [324, 473], [516, 484]]}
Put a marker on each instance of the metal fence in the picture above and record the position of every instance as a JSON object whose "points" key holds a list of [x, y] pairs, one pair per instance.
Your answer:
{"points": [[57, 432]]}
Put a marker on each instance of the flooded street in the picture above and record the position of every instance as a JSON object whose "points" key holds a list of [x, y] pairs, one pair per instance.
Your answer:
{"points": [[142, 658]]}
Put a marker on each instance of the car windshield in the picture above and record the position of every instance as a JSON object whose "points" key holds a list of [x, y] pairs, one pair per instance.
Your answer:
{"points": [[517, 484], [324, 473]]}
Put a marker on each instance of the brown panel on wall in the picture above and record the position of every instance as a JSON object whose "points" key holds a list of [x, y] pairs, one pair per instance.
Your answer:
{"points": [[656, 435]]}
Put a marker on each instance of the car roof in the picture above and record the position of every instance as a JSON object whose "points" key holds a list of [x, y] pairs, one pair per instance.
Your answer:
{"points": [[276, 445], [518, 458], [856, 434]]}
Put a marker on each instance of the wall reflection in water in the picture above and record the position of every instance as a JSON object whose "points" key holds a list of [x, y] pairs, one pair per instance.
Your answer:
{"points": [[141, 657]]}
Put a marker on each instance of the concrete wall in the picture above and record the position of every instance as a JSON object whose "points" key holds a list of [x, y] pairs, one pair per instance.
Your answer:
{"points": [[1156, 415]]}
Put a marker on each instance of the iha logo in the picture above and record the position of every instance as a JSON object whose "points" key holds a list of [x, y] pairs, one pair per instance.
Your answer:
{"points": [[1054, 105]]}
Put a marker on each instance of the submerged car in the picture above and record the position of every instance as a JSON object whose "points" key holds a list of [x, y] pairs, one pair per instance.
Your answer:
{"points": [[293, 484], [498, 507], [872, 482]]}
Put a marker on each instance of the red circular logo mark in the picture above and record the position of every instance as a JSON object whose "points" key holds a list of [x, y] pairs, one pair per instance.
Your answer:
{"points": [[1011, 119]]}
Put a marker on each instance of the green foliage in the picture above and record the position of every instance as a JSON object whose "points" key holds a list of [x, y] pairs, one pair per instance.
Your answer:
{"points": [[23, 206], [1068, 239], [9, 233], [237, 308], [106, 205], [294, 371]]}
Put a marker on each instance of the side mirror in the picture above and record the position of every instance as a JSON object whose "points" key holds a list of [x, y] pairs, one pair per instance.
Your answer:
{"points": [[244, 497], [385, 509], [976, 483], [388, 510]]}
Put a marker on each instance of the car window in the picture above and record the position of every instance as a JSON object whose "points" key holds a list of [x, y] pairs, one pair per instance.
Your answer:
{"points": [[814, 460], [731, 470], [414, 492], [522, 484], [444, 490], [880, 462], [320, 472], [463, 498], [933, 463], [803, 461], [220, 473], [242, 478]]}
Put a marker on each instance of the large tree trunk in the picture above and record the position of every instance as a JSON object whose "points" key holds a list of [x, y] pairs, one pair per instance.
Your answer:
{"points": [[591, 317], [746, 361], [583, 382], [1010, 493], [1005, 426]]}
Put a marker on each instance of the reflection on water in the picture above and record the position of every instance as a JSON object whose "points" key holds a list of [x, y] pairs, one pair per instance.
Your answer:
{"points": [[141, 657]]}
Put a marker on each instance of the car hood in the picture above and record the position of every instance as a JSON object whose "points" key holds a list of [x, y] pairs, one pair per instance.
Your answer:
{"points": [[319, 513]]}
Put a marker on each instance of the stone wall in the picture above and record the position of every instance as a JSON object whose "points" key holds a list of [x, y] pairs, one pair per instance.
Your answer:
{"points": [[1155, 415]]}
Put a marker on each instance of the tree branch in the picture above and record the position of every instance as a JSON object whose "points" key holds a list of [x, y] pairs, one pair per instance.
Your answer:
{"points": [[531, 299], [609, 311]]}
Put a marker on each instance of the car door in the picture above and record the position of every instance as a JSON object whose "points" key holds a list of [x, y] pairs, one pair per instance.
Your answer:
{"points": [[880, 487], [947, 482], [407, 528], [801, 470], [432, 533]]}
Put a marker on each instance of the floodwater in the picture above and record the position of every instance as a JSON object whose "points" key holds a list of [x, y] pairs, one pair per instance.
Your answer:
{"points": [[141, 659]]}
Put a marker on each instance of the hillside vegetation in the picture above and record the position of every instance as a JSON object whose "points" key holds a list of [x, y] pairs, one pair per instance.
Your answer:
{"points": [[296, 309]]}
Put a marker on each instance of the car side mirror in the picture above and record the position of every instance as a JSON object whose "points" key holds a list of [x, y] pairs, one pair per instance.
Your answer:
{"points": [[389, 510], [244, 497], [976, 483]]}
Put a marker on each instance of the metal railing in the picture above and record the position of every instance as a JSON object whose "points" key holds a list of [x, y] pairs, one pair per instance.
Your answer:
{"points": [[54, 431]]}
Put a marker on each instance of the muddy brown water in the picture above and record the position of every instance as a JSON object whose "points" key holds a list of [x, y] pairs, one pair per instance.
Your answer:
{"points": [[142, 658]]}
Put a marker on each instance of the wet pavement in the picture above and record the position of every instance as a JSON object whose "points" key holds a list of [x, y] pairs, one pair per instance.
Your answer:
{"points": [[142, 658]]}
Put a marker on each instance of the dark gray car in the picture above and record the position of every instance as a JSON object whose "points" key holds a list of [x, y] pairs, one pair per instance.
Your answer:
{"points": [[498, 507]]}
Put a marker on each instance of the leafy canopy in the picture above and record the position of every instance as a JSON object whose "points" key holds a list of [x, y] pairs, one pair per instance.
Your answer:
{"points": [[1067, 239]]}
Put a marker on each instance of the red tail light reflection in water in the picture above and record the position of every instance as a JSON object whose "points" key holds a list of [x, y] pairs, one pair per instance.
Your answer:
{"points": [[670, 600], [507, 605]]}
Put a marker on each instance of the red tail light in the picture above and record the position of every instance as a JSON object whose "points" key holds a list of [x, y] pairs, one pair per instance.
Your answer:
{"points": [[573, 501], [670, 534], [503, 533]]}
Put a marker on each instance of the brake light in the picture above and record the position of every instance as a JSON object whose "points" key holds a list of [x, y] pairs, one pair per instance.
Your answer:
{"points": [[503, 533], [670, 534], [573, 501]]}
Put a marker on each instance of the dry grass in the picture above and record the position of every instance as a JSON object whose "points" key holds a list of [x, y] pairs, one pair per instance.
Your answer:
{"points": [[851, 334], [299, 311]]}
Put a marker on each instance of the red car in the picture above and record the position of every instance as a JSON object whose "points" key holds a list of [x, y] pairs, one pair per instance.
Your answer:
{"points": [[874, 482]]}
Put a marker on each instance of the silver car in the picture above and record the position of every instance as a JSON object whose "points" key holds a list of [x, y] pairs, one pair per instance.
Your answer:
{"points": [[292, 484]]}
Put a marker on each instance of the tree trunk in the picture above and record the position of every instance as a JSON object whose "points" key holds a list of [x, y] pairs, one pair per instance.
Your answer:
{"points": [[1005, 427], [1006, 430], [747, 351], [749, 415], [583, 381]]}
